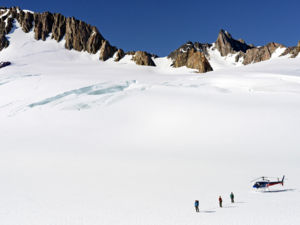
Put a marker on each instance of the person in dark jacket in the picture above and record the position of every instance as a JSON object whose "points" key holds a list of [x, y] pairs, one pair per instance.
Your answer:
{"points": [[232, 197], [197, 205], [220, 201]]}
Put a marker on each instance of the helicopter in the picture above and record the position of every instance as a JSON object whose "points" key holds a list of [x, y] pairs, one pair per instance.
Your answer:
{"points": [[264, 182]]}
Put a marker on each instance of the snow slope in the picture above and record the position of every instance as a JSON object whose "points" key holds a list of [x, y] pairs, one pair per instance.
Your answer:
{"points": [[86, 142]]}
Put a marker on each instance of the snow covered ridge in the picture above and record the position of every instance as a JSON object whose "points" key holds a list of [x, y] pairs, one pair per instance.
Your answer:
{"points": [[80, 36]]}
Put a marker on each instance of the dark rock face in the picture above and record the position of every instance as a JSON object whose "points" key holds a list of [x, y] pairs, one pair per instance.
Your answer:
{"points": [[3, 42], [143, 58], [42, 25], [293, 51], [5, 27], [106, 51], [226, 44], [250, 54], [2, 12], [94, 42], [4, 64], [130, 53], [193, 59], [192, 55], [25, 19], [2, 26], [9, 25], [78, 35], [84, 37], [81, 36], [190, 45], [14, 12], [259, 54], [119, 55], [58, 27]]}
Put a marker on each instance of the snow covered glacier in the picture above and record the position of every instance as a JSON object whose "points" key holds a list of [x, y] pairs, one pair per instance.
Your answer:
{"points": [[86, 142]]}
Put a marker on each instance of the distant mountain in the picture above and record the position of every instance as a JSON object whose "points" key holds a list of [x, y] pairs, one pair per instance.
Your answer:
{"points": [[229, 47], [81, 36], [77, 34]]}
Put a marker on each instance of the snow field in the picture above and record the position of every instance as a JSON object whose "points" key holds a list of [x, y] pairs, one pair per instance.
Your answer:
{"points": [[85, 142]]}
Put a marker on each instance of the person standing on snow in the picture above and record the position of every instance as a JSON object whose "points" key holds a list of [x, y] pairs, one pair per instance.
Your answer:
{"points": [[232, 197], [220, 201], [197, 205]]}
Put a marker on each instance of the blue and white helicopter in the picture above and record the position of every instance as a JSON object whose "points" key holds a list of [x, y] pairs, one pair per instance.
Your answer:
{"points": [[265, 182]]}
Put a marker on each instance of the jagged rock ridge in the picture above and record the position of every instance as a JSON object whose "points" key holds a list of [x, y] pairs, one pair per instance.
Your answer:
{"points": [[293, 51], [192, 55], [6, 25], [226, 44], [143, 58], [249, 53], [78, 35], [259, 54], [81, 36]]}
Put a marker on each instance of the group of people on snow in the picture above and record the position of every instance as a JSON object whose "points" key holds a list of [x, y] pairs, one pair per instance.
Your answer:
{"points": [[220, 202]]}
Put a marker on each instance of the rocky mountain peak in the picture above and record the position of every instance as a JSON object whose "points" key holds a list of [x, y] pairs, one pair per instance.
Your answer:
{"points": [[259, 54], [78, 35], [192, 55], [143, 58], [226, 44], [225, 33], [81, 36], [292, 51], [188, 46]]}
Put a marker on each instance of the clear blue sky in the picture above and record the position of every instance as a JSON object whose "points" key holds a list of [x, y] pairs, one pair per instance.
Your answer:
{"points": [[160, 26]]}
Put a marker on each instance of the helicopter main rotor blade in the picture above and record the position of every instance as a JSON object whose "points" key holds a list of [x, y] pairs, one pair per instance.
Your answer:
{"points": [[256, 179]]}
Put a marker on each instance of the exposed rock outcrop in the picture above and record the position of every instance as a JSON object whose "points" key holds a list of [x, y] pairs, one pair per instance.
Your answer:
{"points": [[190, 45], [226, 44], [58, 27], [25, 19], [192, 55], [259, 54], [193, 59], [106, 51], [94, 42], [2, 26], [3, 42], [119, 55], [42, 25], [13, 12], [6, 24], [81, 36], [4, 29], [78, 35], [130, 53], [2, 10], [293, 51], [143, 58], [9, 25]]}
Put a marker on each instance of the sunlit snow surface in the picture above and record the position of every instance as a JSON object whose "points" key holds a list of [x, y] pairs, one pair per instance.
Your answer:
{"points": [[86, 142]]}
